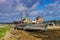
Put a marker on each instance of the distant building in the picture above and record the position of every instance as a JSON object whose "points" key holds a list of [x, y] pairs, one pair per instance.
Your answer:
{"points": [[39, 19]]}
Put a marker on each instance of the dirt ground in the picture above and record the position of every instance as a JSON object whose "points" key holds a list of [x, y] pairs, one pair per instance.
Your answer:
{"points": [[48, 35], [18, 35], [28, 35]]}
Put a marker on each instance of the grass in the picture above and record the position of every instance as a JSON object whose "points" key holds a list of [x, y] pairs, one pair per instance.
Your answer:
{"points": [[3, 30]]}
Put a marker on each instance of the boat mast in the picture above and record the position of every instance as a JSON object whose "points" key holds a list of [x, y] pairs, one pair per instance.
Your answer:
{"points": [[26, 14], [21, 14]]}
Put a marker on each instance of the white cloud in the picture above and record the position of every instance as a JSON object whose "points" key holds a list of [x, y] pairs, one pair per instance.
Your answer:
{"points": [[53, 8], [35, 5], [41, 11], [21, 7], [18, 1], [34, 12], [29, 0], [1, 1], [51, 12], [50, 9]]}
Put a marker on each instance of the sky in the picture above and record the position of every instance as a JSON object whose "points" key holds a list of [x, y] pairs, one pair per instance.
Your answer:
{"points": [[11, 10]]}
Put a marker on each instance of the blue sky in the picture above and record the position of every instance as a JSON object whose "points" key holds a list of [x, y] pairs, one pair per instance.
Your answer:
{"points": [[10, 10]]}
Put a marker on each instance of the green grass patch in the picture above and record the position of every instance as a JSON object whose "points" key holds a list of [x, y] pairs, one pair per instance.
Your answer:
{"points": [[3, 30]]}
